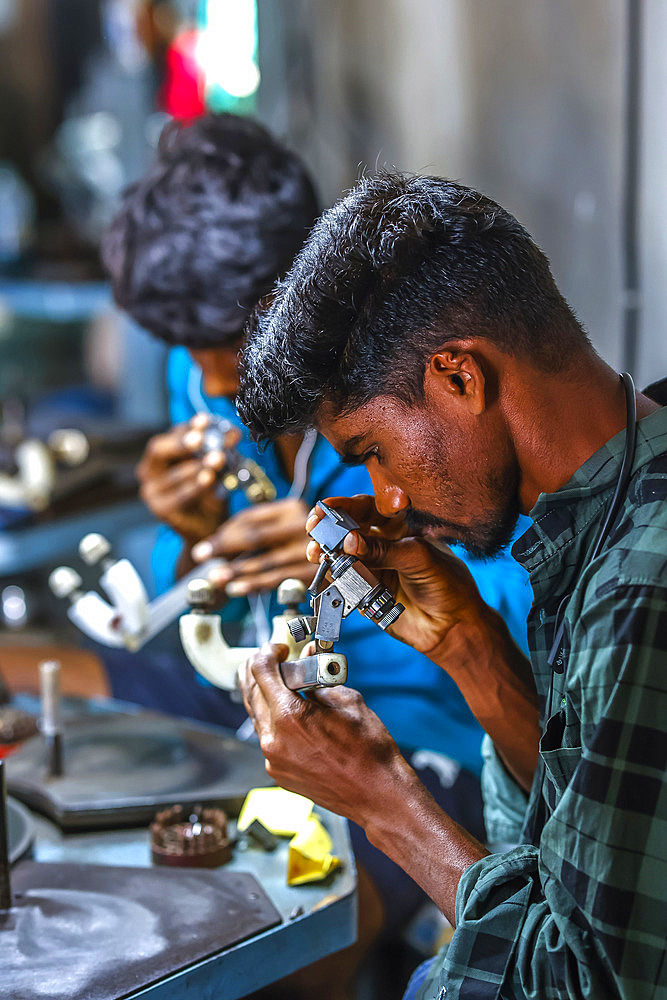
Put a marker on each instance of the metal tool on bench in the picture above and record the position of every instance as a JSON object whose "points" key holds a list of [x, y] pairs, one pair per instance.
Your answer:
{"points": [[205, 645], [28, 475], [352, 586], [128, 618]]}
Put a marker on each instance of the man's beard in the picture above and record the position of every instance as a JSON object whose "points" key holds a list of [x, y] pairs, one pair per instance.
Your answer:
{"points": [[484, 538]]}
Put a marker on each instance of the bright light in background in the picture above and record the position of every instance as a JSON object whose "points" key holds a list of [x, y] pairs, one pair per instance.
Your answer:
{"points": [[227, 48]]}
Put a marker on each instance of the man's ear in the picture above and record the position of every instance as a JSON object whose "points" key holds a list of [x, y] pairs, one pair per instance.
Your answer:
{"points": [[459, 376]]}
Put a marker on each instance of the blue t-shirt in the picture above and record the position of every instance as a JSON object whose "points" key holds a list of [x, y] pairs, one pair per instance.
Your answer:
{"points": [[417, 701]]}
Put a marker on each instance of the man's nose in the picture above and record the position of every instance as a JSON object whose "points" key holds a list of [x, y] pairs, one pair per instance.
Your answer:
{"points": [[389, 498]]}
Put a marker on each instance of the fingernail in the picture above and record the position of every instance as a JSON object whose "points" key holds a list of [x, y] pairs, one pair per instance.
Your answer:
{"points": [[205, 476], [214, 459], [192, 440], [201, 551], [351, 544], [312, 552], [221, 575], [237, 589]]}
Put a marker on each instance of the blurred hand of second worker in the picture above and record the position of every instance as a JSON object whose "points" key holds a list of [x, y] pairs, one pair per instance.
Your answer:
{"points": [[177, 482], [265, 544]]}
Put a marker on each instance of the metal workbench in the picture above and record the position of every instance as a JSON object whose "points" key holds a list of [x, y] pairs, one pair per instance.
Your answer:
{"points": [[316, 919]]}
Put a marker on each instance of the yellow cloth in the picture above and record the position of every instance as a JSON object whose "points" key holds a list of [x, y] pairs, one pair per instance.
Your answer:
{"points": [[281, 812], [287, 814], [310, 858]]}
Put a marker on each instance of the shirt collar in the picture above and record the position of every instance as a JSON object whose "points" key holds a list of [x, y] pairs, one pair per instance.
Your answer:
{"points": [[558, 517]]}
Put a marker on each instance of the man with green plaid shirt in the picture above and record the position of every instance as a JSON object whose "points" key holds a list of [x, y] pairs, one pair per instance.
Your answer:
{"points": [[421, 331]]}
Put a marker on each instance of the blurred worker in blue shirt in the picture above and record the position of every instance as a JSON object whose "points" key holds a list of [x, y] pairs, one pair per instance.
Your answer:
{"points": [[196, 244]]}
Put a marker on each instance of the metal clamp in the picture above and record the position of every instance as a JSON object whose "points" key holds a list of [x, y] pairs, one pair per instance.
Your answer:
{"points": [[239, 472], [353, 586], [208, 651]]}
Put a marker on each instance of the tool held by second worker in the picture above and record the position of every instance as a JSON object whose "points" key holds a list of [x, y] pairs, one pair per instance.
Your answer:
{"points": [[239, 472]]}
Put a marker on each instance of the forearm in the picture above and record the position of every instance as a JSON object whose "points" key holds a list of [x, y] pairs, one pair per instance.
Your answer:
{"points": [[408, 826], [496, 681]]}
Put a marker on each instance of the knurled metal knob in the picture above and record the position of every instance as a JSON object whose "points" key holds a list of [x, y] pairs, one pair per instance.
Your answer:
{"points": [[340, 564], [93, 548], [201, 594], [291, 593], [63, 581], [301, 627], [391, 616]]}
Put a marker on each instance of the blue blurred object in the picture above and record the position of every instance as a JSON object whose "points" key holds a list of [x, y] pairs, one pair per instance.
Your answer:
{"points": [[43, 327]]}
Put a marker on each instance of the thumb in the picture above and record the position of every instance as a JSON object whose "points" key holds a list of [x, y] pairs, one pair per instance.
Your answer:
{"points": [[335, 697]]}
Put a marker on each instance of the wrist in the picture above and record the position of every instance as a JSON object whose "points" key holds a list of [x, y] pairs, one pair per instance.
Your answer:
{"points": [[469, 642], [481, 656], [391, 808]]}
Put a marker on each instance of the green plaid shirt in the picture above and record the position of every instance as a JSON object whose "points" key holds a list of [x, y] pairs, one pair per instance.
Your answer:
{"points": [[579, 908]]}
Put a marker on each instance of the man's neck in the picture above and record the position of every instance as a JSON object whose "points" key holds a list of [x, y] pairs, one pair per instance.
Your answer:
{"points": [[571, 416]]}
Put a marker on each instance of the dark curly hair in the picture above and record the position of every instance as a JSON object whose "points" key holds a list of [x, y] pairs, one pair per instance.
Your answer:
{"points": [[398, 267], [205, 234]]}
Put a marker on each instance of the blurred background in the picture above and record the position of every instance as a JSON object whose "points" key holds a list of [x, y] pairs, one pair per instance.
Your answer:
{"points": [[553, 107]]}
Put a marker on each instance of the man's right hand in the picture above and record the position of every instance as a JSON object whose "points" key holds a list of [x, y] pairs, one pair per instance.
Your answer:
{"points": [[177, 484], [446, 619], [435, 587]]}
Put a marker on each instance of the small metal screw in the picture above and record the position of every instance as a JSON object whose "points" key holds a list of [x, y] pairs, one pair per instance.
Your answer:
{"points": [[336, 603], [333, 668]]}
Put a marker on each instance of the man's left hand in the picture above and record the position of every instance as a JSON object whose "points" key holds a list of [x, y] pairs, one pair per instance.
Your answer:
{"points": [[328, 746]]}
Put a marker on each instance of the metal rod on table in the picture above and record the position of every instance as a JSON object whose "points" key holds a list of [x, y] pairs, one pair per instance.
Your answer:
{"points": [[49, 676], [5, 883]]}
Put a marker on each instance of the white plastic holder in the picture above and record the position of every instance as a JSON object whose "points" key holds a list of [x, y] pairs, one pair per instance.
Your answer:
{"points": [[33, 483], [209, 653], [127, 619]]}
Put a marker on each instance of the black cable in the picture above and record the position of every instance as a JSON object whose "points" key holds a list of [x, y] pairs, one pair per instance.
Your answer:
{"points": [[626, 465], [631, 182]]}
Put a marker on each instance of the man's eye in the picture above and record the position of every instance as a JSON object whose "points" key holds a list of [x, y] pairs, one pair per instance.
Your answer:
{"points": [[371, 453]]}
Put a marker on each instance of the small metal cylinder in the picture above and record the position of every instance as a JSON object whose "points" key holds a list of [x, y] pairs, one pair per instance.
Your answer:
{"points": [[93, 548], [201, 594], [301, 627], [51, 726], [291, 593], [5, 883]]}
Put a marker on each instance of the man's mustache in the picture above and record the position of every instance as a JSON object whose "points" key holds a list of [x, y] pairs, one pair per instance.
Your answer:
{"points": [[416, 520]]}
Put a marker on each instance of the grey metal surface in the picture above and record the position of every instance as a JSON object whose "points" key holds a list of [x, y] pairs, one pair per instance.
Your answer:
{"points": [[38, 545], [92, 932], [119, 768], [317, 919], [21, 830]]}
